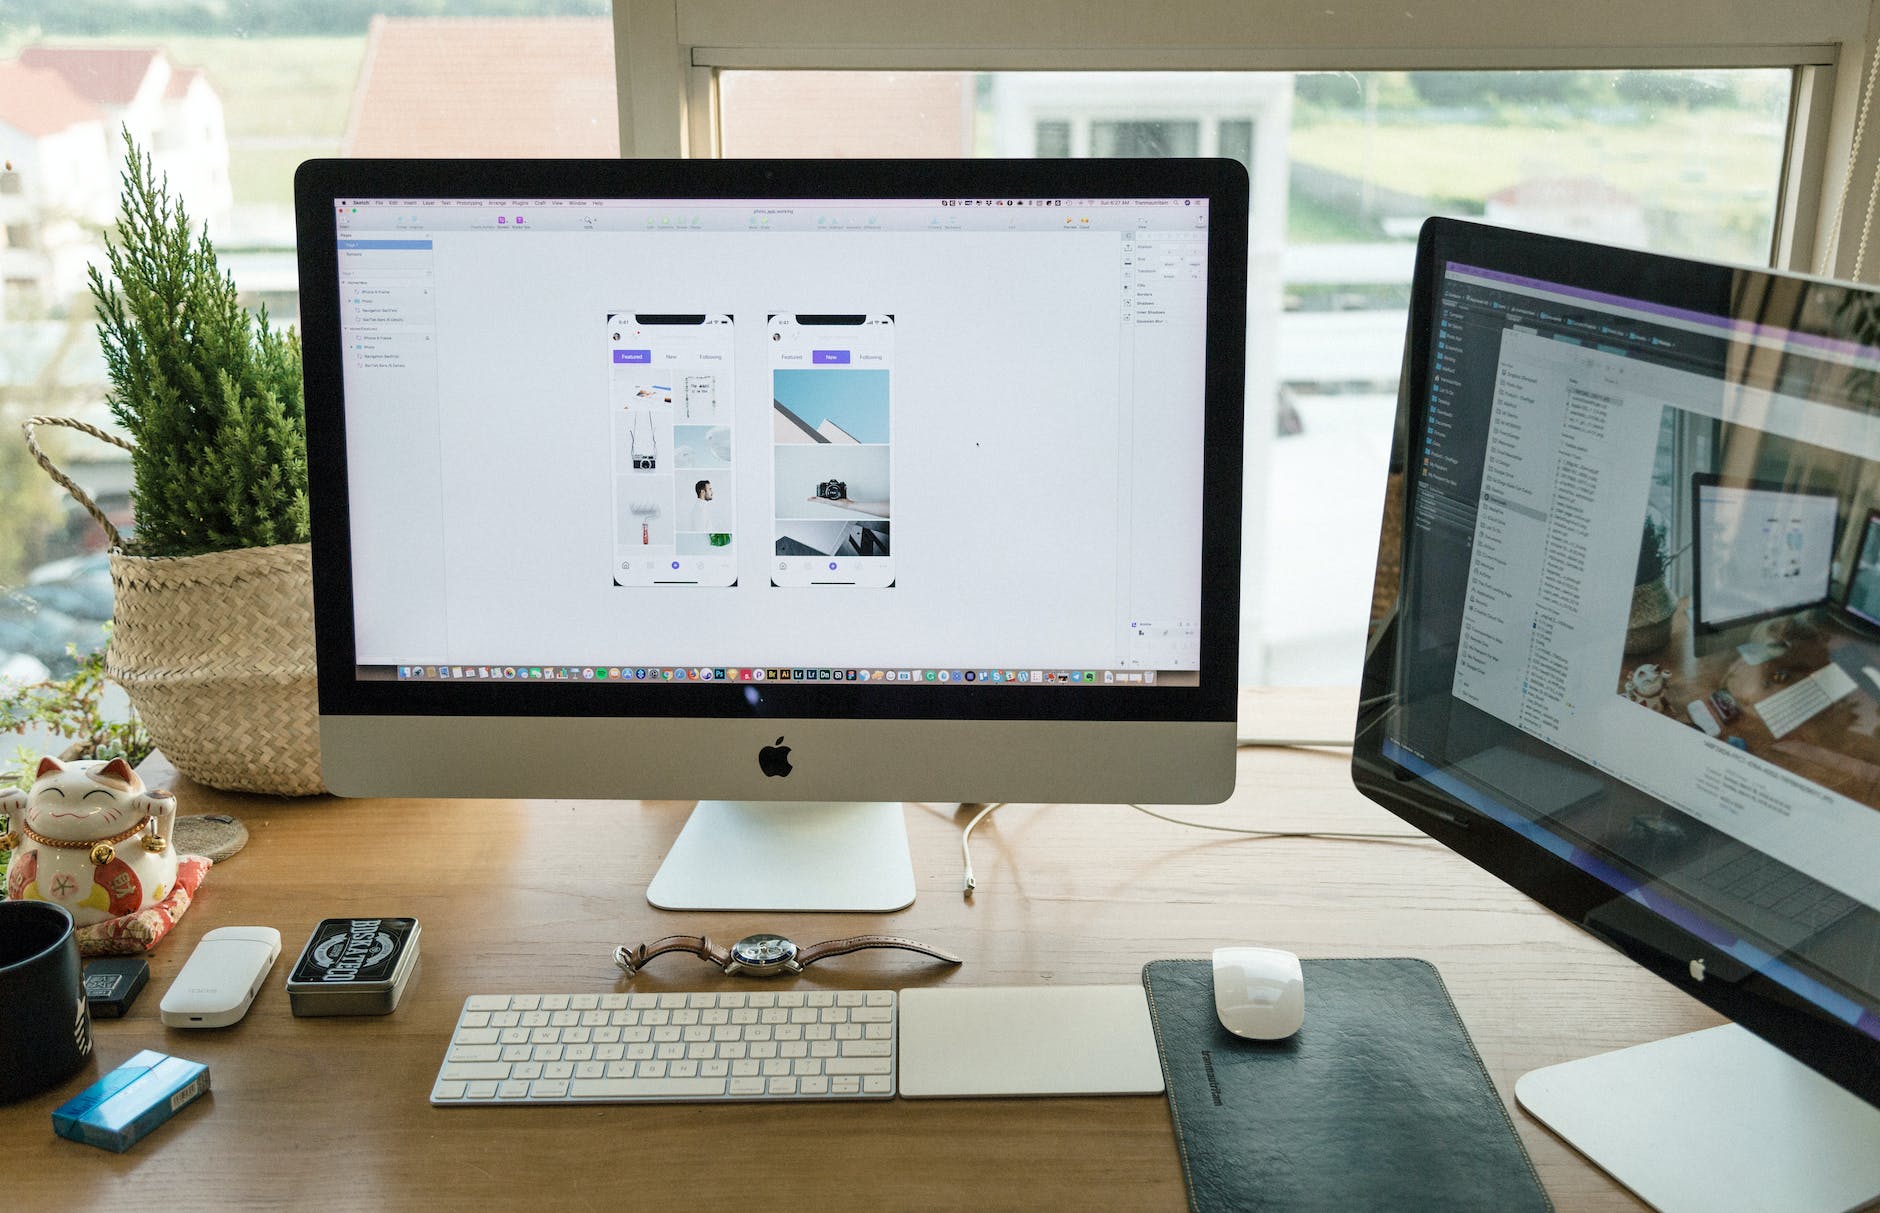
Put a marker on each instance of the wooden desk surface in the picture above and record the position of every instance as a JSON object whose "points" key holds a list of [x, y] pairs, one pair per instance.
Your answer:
{"points": [[533, 896]]}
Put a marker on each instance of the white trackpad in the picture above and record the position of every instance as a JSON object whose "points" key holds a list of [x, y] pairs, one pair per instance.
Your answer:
{"points": [[1027, 1040]]}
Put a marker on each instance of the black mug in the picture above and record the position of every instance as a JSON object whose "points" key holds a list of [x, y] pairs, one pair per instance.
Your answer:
{"points": [[45, 1024]]}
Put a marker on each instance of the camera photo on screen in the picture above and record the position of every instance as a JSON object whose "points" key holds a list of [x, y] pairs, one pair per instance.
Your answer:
{"points": [[643, 440], [1656, 562], [1747, 622], [831, 481]]}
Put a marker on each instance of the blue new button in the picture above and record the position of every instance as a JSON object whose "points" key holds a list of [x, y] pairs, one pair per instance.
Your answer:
{"points": [[829, 357]]}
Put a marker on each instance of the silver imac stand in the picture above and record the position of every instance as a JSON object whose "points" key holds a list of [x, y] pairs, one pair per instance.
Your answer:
{"points": [[817, 856], [1713, 1120]]}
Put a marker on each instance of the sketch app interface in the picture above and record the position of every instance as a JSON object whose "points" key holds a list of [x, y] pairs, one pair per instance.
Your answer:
{"points": [[832, 418], [670, 408], [894, 435]]}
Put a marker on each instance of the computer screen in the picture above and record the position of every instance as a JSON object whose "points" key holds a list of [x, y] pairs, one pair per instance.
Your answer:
{"points": [[1537, 700], [799, 480], [1863, 583], [1761, 550]]}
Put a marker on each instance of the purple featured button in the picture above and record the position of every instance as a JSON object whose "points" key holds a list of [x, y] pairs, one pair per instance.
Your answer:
{"points": [[633, 355], [829, 357]]}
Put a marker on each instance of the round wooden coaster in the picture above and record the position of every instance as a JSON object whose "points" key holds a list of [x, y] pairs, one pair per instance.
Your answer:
{"points": [[214, 836]]}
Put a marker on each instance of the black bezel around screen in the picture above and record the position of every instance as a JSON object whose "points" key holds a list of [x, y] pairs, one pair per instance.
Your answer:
{"points": [[1394, 707], [319, 183], [1869, 546]]}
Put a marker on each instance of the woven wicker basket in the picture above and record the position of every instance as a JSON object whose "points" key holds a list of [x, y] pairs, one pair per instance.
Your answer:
{"points": [[215, 652]]}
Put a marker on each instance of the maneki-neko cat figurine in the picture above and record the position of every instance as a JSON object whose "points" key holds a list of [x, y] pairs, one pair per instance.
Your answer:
{"points": [[89, 837]]}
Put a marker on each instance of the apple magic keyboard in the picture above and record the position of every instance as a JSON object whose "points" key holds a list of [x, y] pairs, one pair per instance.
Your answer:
{"points": [[670, 1047]]}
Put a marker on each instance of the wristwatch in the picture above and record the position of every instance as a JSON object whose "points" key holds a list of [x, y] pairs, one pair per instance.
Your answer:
{"points": [[766, 955]]}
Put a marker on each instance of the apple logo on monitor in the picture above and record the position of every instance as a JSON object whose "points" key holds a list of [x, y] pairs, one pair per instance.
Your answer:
{"points": [[774, 760]]}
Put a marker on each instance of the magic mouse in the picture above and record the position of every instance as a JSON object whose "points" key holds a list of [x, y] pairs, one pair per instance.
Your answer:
{"points": [[1259, 993]]}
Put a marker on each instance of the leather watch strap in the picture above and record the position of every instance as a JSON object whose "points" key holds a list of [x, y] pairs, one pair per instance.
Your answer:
{"points": [[631, 959], [836, 947]]}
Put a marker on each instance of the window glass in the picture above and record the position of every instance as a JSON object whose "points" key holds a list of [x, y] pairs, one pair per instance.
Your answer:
{"points": [[1345, 167], [1054, 139], [1145, 138], [1237, 141], [228, 99]]}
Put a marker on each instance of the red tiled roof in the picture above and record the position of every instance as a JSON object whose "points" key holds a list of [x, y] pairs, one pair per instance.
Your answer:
{"points": [[39, 101], [109, 75], [847, 114], [495, 86], [180, 80], [1564, 191]]}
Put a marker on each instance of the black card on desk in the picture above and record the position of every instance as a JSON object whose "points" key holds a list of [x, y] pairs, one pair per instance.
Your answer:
{"points": [[1379, 1102]]}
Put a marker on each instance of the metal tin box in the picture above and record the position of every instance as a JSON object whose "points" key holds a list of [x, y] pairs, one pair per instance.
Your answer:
{"points": [[354, 966]]}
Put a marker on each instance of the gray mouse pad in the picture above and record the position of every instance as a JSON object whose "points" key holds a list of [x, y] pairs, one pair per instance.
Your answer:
{"points": [[1379, 1102]]}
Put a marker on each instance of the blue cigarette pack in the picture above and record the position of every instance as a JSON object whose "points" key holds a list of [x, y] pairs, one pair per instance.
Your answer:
{"points": [[115, 1112]]}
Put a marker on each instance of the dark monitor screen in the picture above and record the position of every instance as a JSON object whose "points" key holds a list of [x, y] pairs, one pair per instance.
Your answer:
{"points": [[1863, 584], [1577, 422]]}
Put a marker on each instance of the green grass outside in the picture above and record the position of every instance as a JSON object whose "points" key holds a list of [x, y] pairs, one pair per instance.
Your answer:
{"points": [[1309, 221], [278, 86], [266, 174], [1708, 176]]}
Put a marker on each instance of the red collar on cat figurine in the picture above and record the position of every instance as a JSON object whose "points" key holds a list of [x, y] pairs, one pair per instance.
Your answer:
{"points": [[102, 849]]}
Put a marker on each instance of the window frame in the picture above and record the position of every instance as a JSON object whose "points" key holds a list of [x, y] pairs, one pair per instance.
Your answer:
{"points": [[668, 54]]}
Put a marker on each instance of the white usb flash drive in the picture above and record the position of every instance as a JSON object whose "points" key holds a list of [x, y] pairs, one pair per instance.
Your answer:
{"points": [[221, 977]]}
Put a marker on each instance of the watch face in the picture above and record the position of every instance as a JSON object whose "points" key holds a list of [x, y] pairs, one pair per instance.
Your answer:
{"points": [[763, 951]]}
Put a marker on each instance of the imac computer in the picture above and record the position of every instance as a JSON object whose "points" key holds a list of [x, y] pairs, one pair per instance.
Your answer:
{"points": [[801, 489], [1761, 550], [1536, 699]]}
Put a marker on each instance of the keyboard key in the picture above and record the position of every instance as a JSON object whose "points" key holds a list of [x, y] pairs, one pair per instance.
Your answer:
{"points": [[857, 1065], [643, 1088], [477, 1052]]}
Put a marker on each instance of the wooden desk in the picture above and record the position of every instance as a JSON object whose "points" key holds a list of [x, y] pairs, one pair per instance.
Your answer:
{"points": [[1839, 748], [533, 896]]}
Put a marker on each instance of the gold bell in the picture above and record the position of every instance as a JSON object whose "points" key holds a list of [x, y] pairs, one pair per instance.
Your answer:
{"points": [[103, 853], [155, 844]]}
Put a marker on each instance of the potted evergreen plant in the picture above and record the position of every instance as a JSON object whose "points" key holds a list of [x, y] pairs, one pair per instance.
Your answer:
{"points": [[213, 613], [1648, 627]]}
